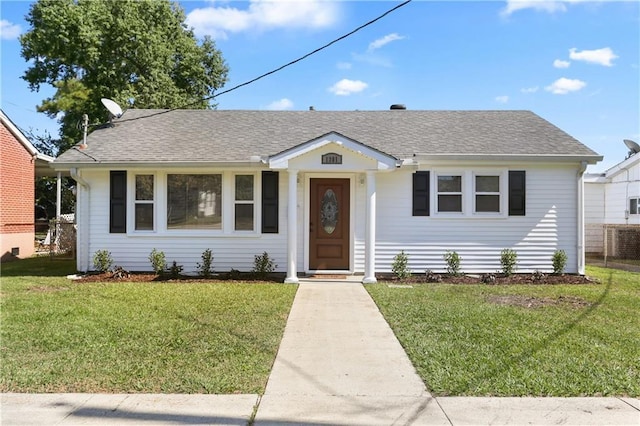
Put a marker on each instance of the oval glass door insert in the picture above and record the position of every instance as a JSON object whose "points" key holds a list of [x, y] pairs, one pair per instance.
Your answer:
{"points": [[329, 211]]}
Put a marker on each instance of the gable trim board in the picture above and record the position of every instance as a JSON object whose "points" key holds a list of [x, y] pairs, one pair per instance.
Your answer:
{"points": [[399, 200]]}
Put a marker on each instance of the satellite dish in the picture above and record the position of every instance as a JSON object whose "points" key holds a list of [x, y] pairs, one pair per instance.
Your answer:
{"points": [[634, 148], [114, 108]]}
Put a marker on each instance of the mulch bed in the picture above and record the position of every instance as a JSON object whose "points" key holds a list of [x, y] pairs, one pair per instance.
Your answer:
{"points": [[490, 279], [493, 279]]}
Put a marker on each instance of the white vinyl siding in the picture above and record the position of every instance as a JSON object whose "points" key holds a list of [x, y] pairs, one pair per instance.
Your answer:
{"points": [[550, 224], [131, 250]]}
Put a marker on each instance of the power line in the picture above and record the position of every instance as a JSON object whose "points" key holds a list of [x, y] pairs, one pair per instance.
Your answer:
{"points": [[301, 58]]}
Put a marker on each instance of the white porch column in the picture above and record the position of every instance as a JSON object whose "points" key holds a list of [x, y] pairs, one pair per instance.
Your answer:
{"points": [[370, 231], [58, 195], [292, 228]]}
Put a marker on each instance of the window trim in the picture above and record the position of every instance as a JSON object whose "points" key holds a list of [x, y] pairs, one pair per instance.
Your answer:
{"points": [[468, 185], [436, 193], [135, 202], [637, 199], [236, 202], [502, 192]]}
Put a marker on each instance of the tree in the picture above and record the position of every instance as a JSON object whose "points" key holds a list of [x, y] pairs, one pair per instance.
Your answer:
{"points": [[136, 52]]}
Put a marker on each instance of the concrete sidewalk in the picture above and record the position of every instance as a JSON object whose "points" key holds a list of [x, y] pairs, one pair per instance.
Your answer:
{"points": [[338, 364]]}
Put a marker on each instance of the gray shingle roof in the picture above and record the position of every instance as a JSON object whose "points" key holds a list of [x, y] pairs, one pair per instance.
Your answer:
{"points": [[185, 136]]}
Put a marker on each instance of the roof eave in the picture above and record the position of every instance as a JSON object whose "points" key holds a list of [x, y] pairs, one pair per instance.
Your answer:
{"points": [[259, 163], [541, 158]]}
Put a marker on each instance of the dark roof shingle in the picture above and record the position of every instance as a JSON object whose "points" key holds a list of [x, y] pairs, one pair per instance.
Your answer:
{"points": [[185, 136]]}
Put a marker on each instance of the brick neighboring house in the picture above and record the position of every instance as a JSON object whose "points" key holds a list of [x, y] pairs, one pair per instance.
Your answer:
{"points": [[18, 162]]}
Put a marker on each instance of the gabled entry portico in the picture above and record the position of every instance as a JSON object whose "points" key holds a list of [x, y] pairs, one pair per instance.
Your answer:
{"points": [[326, 177]]}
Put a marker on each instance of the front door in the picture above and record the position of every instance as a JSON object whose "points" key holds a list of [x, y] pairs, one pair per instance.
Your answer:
{"points": [[329, 224]]}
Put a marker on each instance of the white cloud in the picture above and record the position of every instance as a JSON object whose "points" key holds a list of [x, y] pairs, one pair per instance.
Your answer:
{"points": [[533, 89], [9, 31], [262, 15], [558, 63], [539, 5], [502, 99], [345, 87], [602, 56], [377, 44], [280, 105], [562, 86], [343, 65]]}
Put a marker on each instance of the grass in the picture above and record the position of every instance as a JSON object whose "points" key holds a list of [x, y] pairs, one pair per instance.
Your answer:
{"points": [[62, 336], [463, 343]]}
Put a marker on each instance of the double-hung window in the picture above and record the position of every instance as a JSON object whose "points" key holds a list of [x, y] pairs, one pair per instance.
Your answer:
{"points": [[194, 201], [144, 203], [449, 193], [244, 203], [487, 193], [634, 205]]}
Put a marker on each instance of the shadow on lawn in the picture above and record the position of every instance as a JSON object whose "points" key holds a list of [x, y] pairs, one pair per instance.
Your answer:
{"points": [[515, 360], [39, 266]]}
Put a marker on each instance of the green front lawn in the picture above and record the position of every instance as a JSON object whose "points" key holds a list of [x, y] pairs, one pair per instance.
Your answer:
{"points": [[515, 340], [62, 336]]}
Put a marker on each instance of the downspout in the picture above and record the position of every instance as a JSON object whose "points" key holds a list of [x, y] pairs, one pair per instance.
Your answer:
{"points": [[82, 213], [580, 217]]}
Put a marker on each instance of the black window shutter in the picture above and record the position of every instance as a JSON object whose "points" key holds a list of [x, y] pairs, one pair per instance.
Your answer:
{"points": [[421, 193], [118, 202], [270, 181], [517, 192]]}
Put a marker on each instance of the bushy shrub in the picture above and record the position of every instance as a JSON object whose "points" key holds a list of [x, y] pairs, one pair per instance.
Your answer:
{"points": [[508, 260], [205, 269], [158, 261], [400, 265], [102, 260], [263, 265], [453, 260], [559, 261]]}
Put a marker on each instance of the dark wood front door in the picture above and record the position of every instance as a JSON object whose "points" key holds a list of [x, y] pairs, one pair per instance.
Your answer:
{"points": [[329, 224]]}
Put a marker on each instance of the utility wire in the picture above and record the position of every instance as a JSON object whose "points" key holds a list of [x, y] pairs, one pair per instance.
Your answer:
{"points": [[246, 83]]}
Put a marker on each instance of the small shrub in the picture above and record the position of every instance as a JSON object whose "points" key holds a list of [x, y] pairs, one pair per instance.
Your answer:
{"points": [[453, 260], [175, 270], [559, 261], [400, 266], [508, 260], [432, 277], [102, 260], [488, 278], [158, 261], [205, 269], [263, 265], [233, 274]]}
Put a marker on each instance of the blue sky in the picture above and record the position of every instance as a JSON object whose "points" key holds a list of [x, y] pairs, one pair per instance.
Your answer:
{"points": [[575, 63]]}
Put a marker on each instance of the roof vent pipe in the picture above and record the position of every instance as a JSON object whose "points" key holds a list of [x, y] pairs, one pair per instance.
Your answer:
{"points": [[398, 106]]}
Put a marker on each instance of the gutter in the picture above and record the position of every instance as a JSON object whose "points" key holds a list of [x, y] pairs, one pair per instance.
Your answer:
{"points": [[75, 175], [546, 158]]}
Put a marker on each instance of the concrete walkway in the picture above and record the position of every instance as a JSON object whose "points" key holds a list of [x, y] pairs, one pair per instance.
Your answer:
{"points": [[338, 364]]}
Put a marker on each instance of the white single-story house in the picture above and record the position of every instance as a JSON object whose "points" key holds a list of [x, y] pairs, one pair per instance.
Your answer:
{"points": [[612, 198], [330, 191]]}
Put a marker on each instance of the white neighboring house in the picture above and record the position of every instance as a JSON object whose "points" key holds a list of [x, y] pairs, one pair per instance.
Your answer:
{"points": [[611, 198], [330, 191]]}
